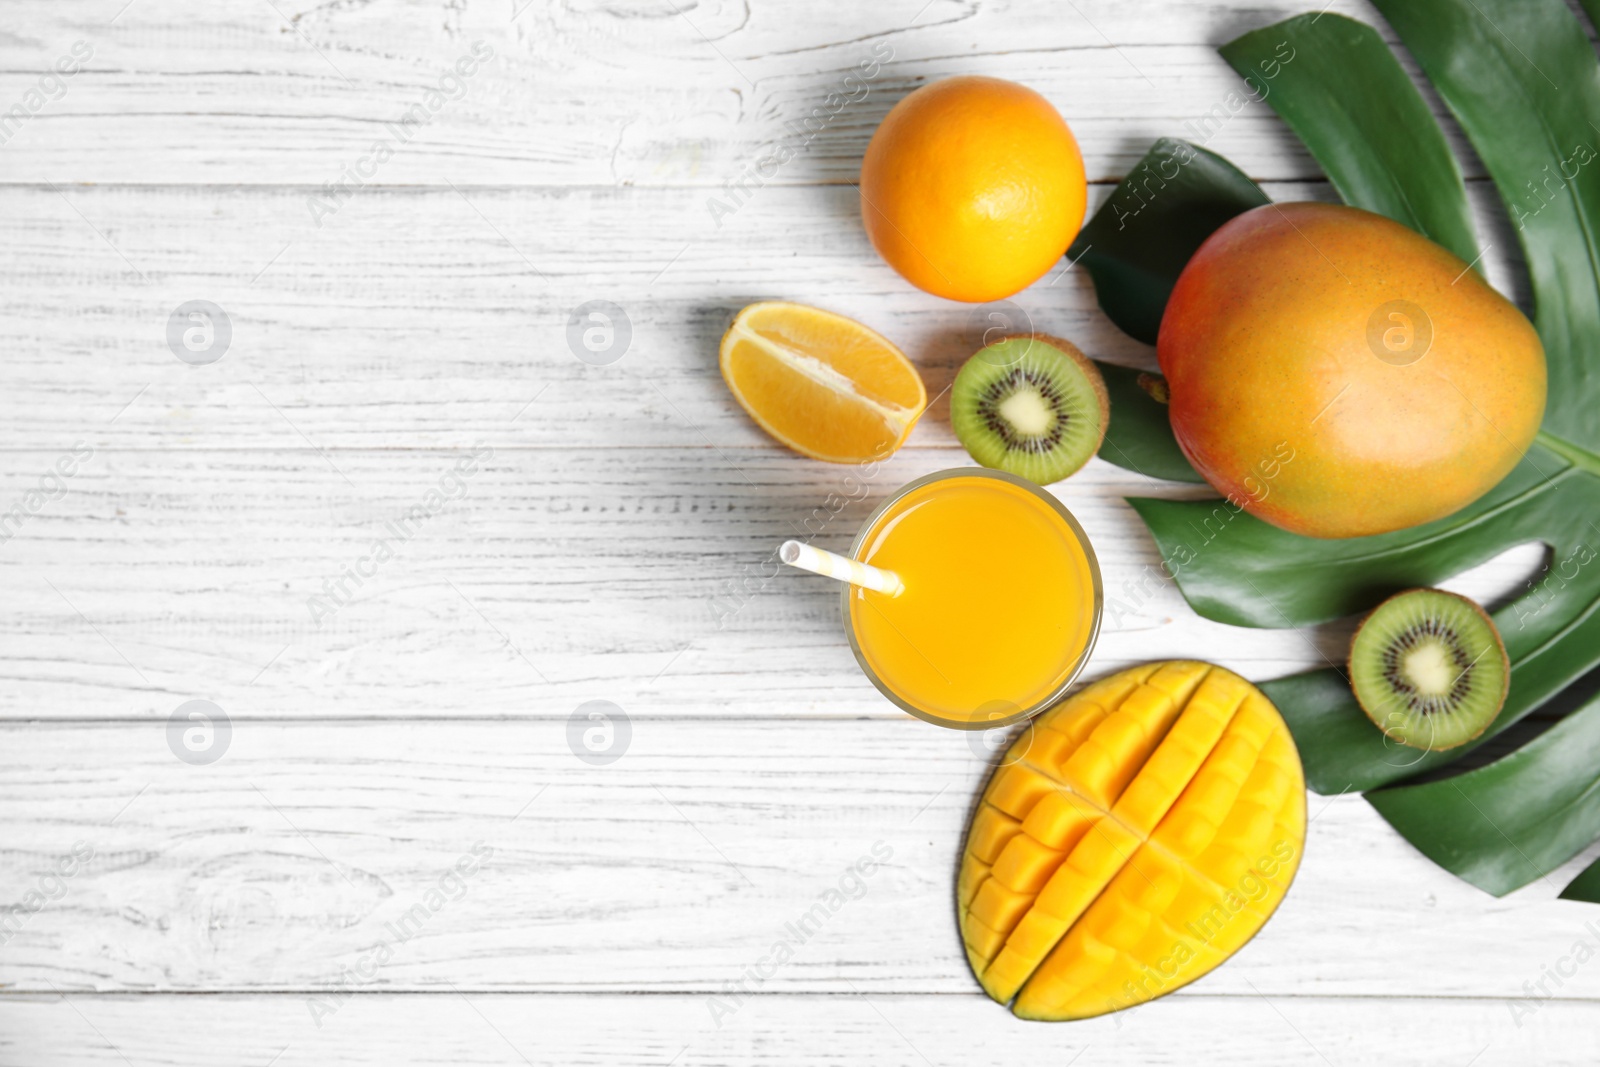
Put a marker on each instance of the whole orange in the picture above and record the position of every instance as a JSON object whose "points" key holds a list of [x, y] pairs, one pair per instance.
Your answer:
{"points": [[972, 188]]}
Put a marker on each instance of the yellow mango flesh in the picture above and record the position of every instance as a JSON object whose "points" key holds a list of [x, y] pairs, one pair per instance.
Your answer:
{"points": [[1133, 838]]}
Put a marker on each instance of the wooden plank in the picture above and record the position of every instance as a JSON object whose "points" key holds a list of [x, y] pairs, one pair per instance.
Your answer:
{"points": [[300, 93], [427, 318], [263, 580], [428, 822], [895, 1031], [310, 854]]}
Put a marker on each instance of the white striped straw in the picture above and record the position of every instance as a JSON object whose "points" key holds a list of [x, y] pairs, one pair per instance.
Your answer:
{"points": [[821, 561]]}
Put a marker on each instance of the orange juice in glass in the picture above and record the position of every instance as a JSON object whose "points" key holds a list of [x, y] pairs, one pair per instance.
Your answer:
{"points": [[1001, 603]]}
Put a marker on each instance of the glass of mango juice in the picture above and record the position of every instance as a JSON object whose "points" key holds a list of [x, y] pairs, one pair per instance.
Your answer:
{"points": [[998, 605]]}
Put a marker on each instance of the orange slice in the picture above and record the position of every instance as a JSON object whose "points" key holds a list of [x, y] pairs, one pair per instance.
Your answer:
{"points": [[824, 385]]}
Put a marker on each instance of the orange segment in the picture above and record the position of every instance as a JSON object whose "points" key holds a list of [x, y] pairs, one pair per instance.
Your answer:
{"points": [[822, 384]]}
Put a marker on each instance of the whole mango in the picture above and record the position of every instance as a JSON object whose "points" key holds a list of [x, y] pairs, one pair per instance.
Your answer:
{"points": [[1338, 374]]}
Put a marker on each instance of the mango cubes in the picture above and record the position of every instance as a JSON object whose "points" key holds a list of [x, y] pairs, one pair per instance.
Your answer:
{"points": [[1133, 838]]}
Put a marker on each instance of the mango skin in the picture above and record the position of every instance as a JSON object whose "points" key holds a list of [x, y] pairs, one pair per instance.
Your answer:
{"points": [[1285, 406]]}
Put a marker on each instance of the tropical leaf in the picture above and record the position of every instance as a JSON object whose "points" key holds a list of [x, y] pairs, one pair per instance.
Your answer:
{"points": [[1342, 91], [1504, 825], [1500, 66], [1178, 190], [1140, 436], [1519, 76], [1237, 569], [1586, 886]]}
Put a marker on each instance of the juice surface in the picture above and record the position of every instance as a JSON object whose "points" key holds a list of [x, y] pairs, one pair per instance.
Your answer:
{"points": [[998, 604]]}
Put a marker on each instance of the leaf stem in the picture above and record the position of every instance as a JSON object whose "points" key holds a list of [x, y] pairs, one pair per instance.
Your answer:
{"points": [[1581, 458]]}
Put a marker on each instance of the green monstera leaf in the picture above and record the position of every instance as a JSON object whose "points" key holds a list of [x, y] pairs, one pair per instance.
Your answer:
{"points": [[1140, 437], [1522, 80], [1344, 94], [1178, 190]]}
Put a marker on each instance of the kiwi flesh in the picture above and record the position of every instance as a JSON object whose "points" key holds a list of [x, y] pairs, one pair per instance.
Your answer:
{"points": [[1030, 404], [1429, 668]]}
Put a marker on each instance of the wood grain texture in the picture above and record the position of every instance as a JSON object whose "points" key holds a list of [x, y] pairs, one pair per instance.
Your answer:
{"points": [[547, 578], [291, 862], [637, 94], [607, 539], [439, 317], [458, 1030]]}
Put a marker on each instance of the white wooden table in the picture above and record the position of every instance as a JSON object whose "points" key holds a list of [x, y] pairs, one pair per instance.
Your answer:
{"points": [[400, 857]]}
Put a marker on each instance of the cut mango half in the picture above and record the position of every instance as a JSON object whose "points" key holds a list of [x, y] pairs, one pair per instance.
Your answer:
{"points": [[1134, 837], [826, 386]]}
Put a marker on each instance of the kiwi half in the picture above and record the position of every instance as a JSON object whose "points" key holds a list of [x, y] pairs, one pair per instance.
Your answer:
{"points": [[1032, 405], [1429, 668]]}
